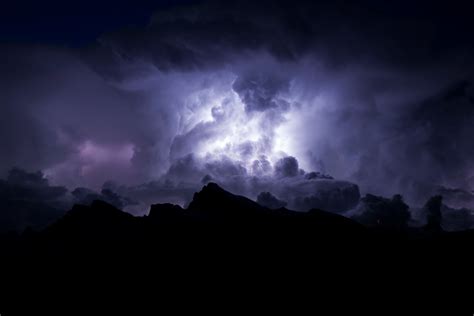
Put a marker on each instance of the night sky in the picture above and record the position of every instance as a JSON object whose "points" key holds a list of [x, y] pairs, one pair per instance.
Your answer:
{"points": [[318, 103]]}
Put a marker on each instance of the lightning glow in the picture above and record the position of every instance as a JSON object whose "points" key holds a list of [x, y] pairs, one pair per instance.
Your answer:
{"points": [[233, 132]]}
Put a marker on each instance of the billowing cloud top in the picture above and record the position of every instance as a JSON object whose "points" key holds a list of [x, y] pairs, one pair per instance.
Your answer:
{"points": [[253, 96]]}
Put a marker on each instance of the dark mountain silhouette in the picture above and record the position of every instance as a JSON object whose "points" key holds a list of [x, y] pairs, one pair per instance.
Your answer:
{"points": [[99, 220], [222, 243], [216, 215], [212, 212], [214, 203], [161, 213]]}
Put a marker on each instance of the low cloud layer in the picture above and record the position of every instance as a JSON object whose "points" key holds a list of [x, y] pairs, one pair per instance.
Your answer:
{"points": [[28, 200]]}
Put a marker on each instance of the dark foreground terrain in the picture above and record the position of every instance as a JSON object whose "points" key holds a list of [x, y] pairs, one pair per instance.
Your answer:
{"points": [[226, 251]]}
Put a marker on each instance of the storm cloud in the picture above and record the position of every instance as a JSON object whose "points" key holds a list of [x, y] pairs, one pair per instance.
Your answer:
{"points": [[314, 103], [28, 200]]}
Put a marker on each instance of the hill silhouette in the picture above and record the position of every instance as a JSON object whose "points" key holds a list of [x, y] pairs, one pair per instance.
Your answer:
{"points": [[218, 216], [221, 240], [212, 211]]}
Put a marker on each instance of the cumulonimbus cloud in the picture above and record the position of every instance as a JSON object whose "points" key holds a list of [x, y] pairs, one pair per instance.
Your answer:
{"points": [[226, 92]]}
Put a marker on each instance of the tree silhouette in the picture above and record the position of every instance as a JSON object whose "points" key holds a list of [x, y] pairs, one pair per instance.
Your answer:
{"points": [[434, 217]]}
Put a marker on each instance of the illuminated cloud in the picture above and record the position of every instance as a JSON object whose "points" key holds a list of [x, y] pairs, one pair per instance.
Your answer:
{"points": [[159, 108]]}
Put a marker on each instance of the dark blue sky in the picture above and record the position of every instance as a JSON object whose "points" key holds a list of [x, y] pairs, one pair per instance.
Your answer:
{"points": [[76, 23], [73, 23]]}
